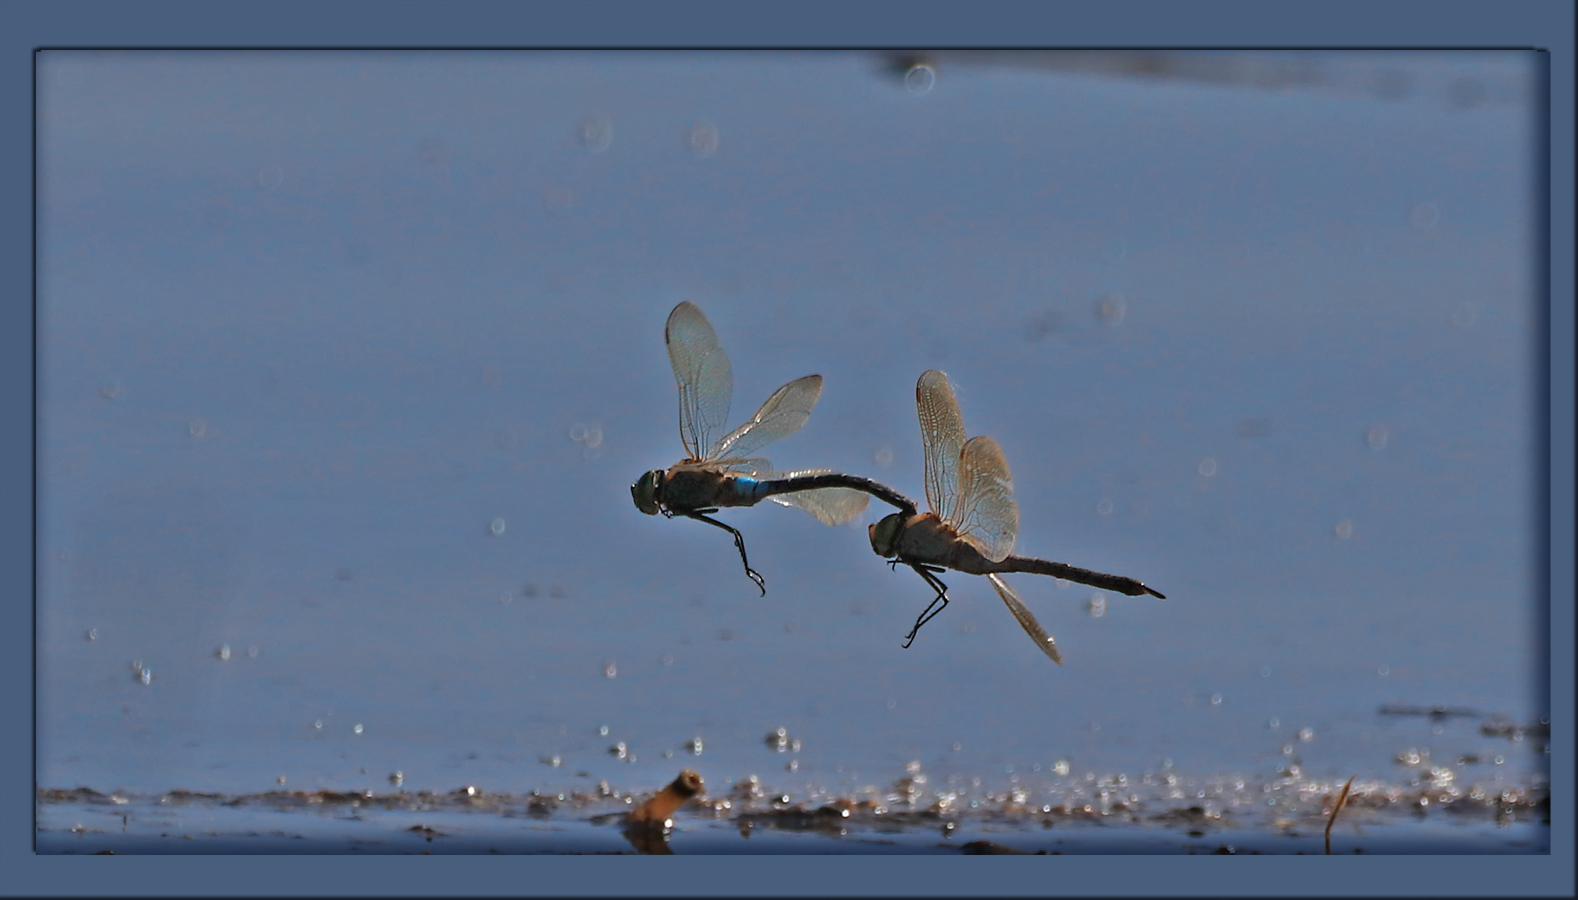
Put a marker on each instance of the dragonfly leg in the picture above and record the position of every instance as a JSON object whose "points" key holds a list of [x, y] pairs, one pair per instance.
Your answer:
{"points": [[739, 542], [937, 604]]}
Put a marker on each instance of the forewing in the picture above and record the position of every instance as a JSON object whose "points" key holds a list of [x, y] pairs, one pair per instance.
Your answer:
{"points": [[783, 413], [1026, 620], [706, 383], [987, 515], [942, 439], [831, 506]]}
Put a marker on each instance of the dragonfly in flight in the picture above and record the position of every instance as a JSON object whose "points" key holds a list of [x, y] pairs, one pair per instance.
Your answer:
{"points": [[973, 520], [718, 469]]}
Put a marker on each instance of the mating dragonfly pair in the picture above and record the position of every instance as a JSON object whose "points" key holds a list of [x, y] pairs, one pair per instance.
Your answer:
{"points": [[973, 519]]}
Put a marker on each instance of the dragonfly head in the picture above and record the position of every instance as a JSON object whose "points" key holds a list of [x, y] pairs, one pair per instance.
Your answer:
{"points": [[885, 535], [645, 490]]}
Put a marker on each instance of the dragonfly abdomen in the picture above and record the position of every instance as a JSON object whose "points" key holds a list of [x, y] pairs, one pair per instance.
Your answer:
{"points": [[819, 480], [1115, 583], [747, 491]]}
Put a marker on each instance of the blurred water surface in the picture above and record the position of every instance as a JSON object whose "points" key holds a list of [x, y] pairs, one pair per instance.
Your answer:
{"points": [[346, 362]]}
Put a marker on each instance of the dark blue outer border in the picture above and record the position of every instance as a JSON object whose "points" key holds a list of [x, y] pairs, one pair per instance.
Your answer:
{"points": [[26, 25]]}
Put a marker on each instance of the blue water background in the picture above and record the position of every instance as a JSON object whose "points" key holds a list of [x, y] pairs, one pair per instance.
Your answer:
{"points": [[346, 362]]}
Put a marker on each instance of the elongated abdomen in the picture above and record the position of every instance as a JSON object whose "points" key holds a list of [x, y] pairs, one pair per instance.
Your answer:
{"points": [[1116, 583], [818, 479]]}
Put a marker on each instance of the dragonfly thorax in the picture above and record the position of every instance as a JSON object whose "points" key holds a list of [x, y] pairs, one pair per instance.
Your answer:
{"points": [[645, 491]]}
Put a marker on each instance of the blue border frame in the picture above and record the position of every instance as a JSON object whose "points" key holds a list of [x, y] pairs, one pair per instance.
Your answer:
{"points": [[26, 25]]}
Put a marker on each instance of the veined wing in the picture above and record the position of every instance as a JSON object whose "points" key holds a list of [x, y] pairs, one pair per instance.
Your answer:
{"points": [[986, 515], [706, 383], [942, 439], [783, 413], [831, 506], [1026, 620], [755, 467]]}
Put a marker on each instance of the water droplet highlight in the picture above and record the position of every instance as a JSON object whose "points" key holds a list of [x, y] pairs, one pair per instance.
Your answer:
{"points": [[703, 139], [597, 133], [920, 79]]}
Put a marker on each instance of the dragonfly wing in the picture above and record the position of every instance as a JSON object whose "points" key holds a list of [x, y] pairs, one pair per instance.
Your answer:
{"points": [[783, 413], [755, 467], [942, 439], [706, 382], [986, 515], [1026, 620], [831, 506]]}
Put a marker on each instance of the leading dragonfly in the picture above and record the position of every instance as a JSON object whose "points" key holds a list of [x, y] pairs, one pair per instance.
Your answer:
{"points": [[719, 471], [973, 520]]}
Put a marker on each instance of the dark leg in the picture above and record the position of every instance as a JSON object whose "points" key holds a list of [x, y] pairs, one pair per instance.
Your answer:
{"points": [[739, 542], [937, 603]]}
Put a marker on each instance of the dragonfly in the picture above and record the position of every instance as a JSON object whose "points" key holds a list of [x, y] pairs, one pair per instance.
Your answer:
{"points": [[973, 521], [718, 469]]}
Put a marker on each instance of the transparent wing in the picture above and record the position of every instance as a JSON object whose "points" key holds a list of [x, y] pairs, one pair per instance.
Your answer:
{"points": [[706, 383], [942, 439], [1026, 620], [783, 413], [831, 506], [986, 515], [755, 467]]}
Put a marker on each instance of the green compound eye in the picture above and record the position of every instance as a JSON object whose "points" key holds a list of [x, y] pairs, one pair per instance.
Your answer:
{"points": [[644, 492], [885, 534]]}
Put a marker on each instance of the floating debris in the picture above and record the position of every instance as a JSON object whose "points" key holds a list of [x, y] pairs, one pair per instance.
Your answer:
{"points": [[540, 807], [986, 848], [425, 831], [1435, 712], [659, 810], [1342, 800], [747, 788], [1189, 808], [781, 742], [1506, 729]]}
